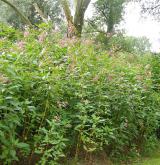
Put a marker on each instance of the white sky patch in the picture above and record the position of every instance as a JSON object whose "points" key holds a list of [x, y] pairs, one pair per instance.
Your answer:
{"points": [[90, 9], [135, 25]]}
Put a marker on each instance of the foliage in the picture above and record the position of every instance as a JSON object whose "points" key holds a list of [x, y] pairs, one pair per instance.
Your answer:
{"points": [[49, 9], [108, 14], [8, 32], [120, 42], [58, 100], [156, 72]]}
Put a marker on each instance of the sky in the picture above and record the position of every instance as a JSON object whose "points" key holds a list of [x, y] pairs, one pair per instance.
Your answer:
{"points": [[136, 25]]}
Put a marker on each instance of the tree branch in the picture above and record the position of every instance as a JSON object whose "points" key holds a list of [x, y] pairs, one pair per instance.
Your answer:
{"points": [[24, 18], [39, 11]]}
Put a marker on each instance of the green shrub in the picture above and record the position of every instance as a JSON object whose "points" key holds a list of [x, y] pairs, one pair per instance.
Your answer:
{"points": [[156, 72], [8, 32], [129, 44], [57, 101]]}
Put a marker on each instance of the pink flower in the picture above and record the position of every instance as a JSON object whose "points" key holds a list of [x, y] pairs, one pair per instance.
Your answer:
{"points": [[21, 44], [42, 37], [68, 41], [26, 33], [87, 42]]}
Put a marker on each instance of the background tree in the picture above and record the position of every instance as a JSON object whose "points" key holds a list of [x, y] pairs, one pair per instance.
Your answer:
{"points": [[18, 12], [46, 9], [50, 9], [108, 14]]}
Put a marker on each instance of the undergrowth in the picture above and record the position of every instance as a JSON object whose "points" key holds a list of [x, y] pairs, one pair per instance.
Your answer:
{"points": [[67, 99]]}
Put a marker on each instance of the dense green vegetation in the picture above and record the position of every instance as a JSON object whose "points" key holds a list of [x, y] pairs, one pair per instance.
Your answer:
{"points": [[76, 91], [71, 98]]}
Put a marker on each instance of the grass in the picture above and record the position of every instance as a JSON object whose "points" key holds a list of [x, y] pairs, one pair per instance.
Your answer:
{"points": [[153, 159]]}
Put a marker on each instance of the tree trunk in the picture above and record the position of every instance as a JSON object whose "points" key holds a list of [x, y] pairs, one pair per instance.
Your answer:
{"points": [[75, 26], [110, 27], [39, 11], [71, 30], [81, 7], [24, 19]]}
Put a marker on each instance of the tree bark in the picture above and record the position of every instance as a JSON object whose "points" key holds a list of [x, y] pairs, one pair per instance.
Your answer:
{"points": [[110, 27], [24, 18], [39, 11], [75, 26], [71, 30], [81, 7]]}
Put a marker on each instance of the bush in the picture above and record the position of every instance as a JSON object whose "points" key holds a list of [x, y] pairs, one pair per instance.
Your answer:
{"points": [[119, 42], [8, 32], [156, 72], [70, 101]]}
